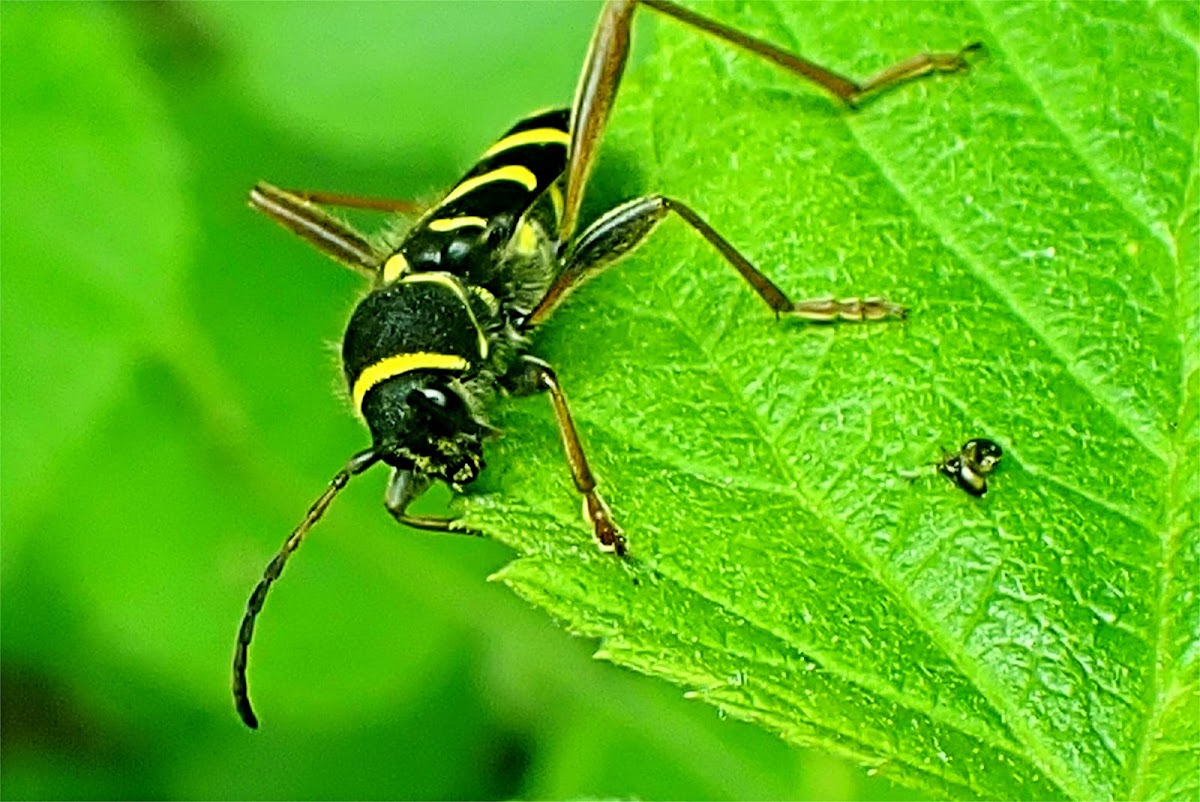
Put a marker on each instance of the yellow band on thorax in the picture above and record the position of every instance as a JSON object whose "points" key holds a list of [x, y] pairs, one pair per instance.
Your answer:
{"points": [[394, 366], [395, 267]]}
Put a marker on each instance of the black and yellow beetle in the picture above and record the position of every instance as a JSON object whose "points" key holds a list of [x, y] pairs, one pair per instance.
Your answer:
{"points": [[446, 324]]}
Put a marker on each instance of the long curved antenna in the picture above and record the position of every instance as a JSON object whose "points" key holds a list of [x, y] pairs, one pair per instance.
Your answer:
{"points": [[241, 695]]}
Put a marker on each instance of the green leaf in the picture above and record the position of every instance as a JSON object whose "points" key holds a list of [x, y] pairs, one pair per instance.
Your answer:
{"points": [[70, 276], [1039, 217], [115, 403], [168, 412]]}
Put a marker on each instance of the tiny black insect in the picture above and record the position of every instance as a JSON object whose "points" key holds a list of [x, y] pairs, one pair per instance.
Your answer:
{"points": [[447, 322], [970, 467]]}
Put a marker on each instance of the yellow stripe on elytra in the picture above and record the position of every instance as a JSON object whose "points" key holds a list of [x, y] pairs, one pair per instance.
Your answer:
{"points": [[556, 200], [534, 136], [456, 287], [454, 223], [399, 364], [526, 239], [510, 172], [395, 267]]}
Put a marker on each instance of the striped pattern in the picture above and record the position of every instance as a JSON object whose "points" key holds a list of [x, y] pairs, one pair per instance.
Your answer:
{"points": [[529, 136], [517, 173], [423, 316], [514, 172], [398, 365], [521, 167], [422, 321], [443, 224]]}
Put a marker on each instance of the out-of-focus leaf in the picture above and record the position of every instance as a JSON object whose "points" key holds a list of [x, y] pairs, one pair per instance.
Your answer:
{"points": [[432, 99], [96, 234]]}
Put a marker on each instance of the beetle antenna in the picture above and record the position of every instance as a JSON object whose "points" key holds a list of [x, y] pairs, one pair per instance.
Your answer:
{"points": [[241, 696]]}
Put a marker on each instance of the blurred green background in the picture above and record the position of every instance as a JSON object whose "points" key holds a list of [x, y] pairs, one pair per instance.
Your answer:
{"points": [[170, 406]]}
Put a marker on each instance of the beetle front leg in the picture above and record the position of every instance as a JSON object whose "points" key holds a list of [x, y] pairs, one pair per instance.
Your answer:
{"points": [[403, 489], [533, 376], [331, 236]]}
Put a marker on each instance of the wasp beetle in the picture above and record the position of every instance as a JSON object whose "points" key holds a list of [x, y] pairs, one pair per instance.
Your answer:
{"points": [[447, 321]]}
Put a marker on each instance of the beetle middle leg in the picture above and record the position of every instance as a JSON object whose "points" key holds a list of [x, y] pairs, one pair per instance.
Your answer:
{"points": [[622, 229], [349, 200], [533, 375]]}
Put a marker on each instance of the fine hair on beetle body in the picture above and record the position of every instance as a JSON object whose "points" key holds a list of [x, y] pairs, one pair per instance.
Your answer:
{"points": [[452, 302]]}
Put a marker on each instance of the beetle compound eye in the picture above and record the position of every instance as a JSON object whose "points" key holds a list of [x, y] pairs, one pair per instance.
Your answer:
{"points": [[435, 411], [435, 397]]}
